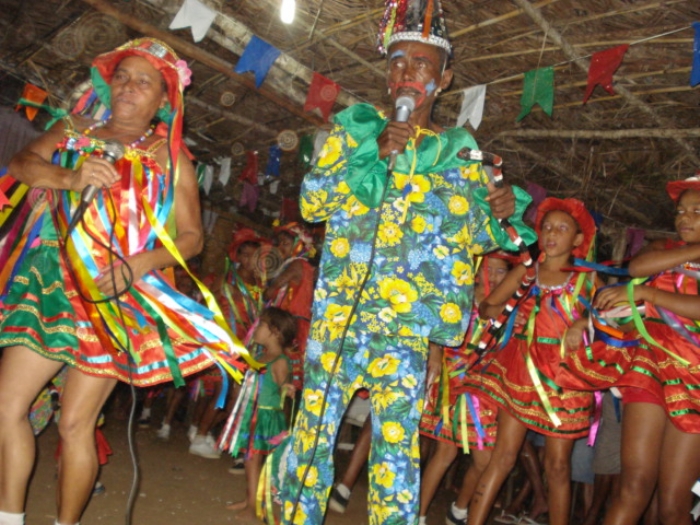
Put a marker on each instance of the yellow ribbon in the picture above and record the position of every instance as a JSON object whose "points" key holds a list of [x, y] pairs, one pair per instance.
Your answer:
{"points": [[210, 302]]}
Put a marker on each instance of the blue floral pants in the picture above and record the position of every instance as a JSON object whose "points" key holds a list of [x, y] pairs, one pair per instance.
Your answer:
{"points": [[393, 370]]}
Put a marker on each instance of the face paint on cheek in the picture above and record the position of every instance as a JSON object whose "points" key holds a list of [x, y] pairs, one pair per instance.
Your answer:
{"points": [[415, 86], [430, 87]]}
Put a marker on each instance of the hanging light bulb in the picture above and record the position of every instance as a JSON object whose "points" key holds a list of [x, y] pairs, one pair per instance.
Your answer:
{"points": [[287, 11]]}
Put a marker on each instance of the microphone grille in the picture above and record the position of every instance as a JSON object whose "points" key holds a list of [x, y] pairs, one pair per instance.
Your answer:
{"points": [[407, 102], [113, 149]]}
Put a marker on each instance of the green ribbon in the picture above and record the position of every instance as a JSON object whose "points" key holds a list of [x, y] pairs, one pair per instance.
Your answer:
{"points": [[56, 113], [639, 324], [367, 173]]}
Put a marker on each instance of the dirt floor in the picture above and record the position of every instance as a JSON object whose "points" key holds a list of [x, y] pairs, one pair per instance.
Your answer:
{"points": [[176, 488]]}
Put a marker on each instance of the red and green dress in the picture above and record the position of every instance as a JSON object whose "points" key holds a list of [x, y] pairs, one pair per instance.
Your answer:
{"points": [[49, 303], [297, 298], [665, 363], [520, 377], [453, 414]]}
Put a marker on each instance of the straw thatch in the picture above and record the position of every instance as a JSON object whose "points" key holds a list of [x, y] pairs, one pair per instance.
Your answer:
{"points": [[615, 152]]}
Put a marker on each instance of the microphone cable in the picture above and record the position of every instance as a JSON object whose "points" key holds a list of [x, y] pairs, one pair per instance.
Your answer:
{"points": [[336, 361], [128, 276]]}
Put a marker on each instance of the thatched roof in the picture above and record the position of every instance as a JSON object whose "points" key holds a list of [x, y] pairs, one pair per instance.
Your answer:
{"points": [[615, 152]]}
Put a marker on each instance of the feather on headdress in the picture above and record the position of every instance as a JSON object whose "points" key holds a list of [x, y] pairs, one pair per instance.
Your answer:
{"points": [[413, 21]]}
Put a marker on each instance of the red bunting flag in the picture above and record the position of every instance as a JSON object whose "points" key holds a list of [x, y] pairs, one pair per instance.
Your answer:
{"points": [[603, 65], [250, 171], [34, 94], [322, 94]]}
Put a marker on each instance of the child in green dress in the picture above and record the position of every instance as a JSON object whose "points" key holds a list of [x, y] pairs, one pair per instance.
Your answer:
{"points": [[257, 423]]}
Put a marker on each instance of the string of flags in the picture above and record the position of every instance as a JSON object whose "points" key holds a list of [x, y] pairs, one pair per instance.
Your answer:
{"points": [[538, 84], [257, 57]]}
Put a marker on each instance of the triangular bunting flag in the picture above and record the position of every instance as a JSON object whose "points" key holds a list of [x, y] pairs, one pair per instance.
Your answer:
{"points": [[290, 210], [250, 171], [603, 65], [258, 57], [322, 94], [306, 150], [195, 15], [538, 88], [695, 71], [249, 196], [33, 94], [274, 158], [472, 106]]}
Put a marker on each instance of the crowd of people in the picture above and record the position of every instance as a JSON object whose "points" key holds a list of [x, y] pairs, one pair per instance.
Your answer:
{"points": [[420, 303]]}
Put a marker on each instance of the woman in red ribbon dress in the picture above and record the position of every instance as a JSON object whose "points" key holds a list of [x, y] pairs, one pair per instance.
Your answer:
{"points": [[95, 297]]}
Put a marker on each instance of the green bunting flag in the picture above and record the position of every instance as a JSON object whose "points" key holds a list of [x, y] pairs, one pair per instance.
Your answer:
{"points": [[538, 88]]}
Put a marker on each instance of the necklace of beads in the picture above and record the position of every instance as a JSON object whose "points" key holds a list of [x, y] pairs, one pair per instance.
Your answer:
{"points": [[102, 123]]}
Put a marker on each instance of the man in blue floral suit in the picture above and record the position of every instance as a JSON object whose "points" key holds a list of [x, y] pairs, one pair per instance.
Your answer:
{"points": [[396, 272]]}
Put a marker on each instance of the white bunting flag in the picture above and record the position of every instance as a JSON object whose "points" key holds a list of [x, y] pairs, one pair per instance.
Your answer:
{"points": [[472, 106], [196, 15]]}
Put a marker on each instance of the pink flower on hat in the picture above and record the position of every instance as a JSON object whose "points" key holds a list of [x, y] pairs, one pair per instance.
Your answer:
{"points": [[183, 72]]}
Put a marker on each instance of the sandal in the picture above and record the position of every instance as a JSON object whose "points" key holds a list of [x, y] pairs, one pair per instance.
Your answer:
{"points": [[527, 520], [507, 519]]}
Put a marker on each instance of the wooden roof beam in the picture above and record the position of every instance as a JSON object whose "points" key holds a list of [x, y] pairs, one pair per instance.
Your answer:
{"points": [[229, 115], [193, 51], [655, 133]]}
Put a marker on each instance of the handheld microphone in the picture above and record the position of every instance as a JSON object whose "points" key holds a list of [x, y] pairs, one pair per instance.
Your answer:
{"points": [[113, 151], [404, 107]]}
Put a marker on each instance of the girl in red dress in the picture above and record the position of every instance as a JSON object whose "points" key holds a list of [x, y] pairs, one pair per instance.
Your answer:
{"points": [[661, 377], [519, 377]]}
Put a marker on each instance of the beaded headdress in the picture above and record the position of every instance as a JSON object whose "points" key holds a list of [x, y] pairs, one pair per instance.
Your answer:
{"points": [[413, 21]]}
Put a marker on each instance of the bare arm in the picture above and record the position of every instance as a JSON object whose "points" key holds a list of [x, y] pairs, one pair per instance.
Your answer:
{"points": [[679, 303], [280, 372], [32, 166], [492, 306], [434, 362], [189, 239], [656, 258]]}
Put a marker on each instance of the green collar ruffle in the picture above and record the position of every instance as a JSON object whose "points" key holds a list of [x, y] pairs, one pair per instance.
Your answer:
{"points": [[367, 173]]}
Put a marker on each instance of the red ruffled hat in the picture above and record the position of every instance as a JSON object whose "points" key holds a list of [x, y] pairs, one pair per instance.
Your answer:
{"points": [[578, 211], [511, 258], [676, 187], [239, 237]]}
